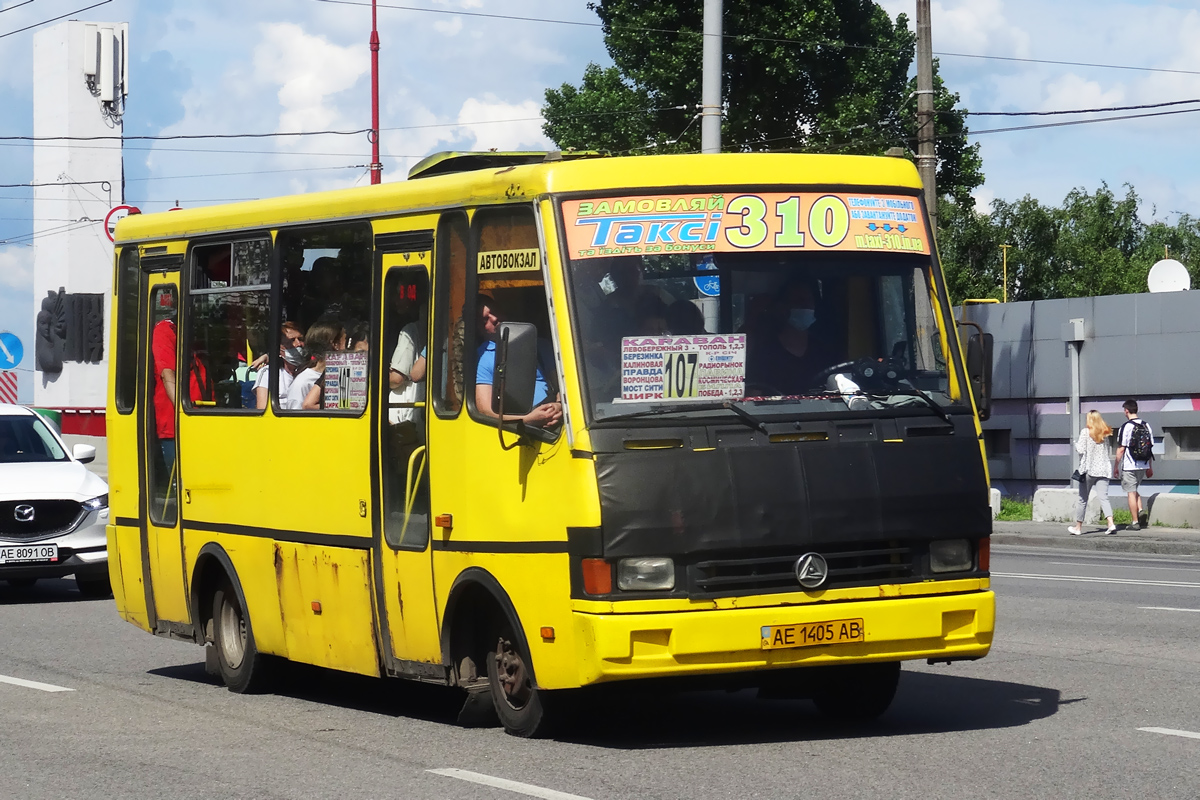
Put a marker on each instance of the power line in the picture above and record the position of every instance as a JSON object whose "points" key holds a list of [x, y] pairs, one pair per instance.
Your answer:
{"points": [[55, 19], [283, 134], [1075, 111], [768, 39], [1074, 122], [17, 5]]}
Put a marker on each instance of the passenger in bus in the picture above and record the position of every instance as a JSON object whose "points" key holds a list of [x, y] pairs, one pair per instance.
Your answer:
{"points": [[783, 355], [291, 362], [407, 357], [322, 338], [684, 318], [358, 337], [547, 411], [651, 315]]}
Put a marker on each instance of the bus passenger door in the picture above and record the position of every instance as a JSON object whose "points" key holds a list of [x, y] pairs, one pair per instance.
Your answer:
{"points": [[405, 575], [161, 538]]}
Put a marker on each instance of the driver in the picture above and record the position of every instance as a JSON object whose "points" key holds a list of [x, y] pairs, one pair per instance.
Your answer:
{"points": [[785, 356]]}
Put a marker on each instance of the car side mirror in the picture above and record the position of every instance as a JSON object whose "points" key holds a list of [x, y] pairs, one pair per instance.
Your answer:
{"points": [[84, 453], [979, 372], [516, 368]]}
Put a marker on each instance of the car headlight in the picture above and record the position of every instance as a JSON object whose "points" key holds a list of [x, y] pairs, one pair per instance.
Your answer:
{"points": [[646, 574], [96, 503], [951, 555]]}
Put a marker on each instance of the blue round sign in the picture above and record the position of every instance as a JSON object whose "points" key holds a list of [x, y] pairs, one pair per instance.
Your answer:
{"points": [[708, 285], [11, 351]]}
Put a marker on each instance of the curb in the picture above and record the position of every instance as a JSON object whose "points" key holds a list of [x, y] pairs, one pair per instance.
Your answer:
{"points": [[1120, 542]]}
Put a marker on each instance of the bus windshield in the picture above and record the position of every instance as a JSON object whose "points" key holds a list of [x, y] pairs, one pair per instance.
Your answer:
{"points": [[666, 333]]}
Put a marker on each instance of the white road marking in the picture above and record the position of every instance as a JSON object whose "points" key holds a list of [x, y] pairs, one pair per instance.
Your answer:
{"points": [[1123, 566], [1168, 608], [1085, 579], [1172, 732], [500, 783], [43, 687]]}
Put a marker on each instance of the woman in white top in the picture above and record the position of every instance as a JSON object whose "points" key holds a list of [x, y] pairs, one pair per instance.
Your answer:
{"points": [[322, 337], [1095, 463]]}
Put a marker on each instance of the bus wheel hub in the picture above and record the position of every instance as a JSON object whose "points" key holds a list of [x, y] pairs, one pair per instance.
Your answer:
{"points": [[510, 669]]}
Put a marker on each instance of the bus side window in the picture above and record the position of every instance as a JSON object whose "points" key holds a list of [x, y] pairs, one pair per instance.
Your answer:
{"points": [[325, 272], [229, 318], [449, 340], [128, 290], [508, 282]]}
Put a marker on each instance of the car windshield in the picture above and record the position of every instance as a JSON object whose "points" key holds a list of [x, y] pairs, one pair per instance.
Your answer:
{"points": [[24, 439], [817, 333]]}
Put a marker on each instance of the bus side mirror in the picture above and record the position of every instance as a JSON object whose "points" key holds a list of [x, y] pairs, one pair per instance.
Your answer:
{"points": [[979, 371], [516, 368]]}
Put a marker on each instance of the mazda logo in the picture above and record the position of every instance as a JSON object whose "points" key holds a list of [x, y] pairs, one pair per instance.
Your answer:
{"points": [[811, 570], [23, 513]]}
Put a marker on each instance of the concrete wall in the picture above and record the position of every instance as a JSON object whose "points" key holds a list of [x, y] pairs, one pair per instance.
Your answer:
{"points": [[1145, 346], [70, 247]]}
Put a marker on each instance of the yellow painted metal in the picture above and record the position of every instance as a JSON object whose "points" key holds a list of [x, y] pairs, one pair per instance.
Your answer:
{"points": [[620, 646], [250, 475]]}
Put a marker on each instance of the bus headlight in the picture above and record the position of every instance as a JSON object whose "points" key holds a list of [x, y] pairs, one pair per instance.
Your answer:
{"points": [[950, 555], [646, 574]]}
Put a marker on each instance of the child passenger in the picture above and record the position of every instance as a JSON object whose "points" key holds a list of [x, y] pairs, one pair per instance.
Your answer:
{"points": [[323, 337]]}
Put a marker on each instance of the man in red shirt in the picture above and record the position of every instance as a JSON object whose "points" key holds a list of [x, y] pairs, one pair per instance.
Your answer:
{"points": [[162, 346]]}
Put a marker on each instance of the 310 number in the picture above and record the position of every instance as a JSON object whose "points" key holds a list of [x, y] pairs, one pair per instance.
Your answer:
{"points": [[828, 222]]}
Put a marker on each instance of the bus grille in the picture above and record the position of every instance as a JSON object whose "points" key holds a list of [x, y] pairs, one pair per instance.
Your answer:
{"points": [[873, 563], [49, 516]]}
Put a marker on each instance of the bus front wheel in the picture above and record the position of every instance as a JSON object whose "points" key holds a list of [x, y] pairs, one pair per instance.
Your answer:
{"points": [[518, 703], [241, 666], [856, 692]]}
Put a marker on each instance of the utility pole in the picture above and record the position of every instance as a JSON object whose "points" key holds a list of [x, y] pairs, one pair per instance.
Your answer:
{"points": [[376, 164], [710, 100], [1004, 250], [926, 152]]}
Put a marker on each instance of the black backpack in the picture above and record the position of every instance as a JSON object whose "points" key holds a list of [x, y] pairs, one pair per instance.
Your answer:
{"points": [[1141, 444]]}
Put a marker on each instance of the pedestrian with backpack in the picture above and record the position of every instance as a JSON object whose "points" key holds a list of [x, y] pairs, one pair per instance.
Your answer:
{"points": [[1135, 451]]}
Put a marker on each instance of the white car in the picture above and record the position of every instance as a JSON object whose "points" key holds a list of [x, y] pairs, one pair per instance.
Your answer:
{"points": [[53, 510]]}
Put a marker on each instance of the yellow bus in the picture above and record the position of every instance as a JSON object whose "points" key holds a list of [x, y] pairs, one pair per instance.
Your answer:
{"points": [[530, 422]]}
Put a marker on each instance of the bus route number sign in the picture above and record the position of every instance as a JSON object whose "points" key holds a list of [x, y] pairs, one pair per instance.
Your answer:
{"points": [[710, 367]]}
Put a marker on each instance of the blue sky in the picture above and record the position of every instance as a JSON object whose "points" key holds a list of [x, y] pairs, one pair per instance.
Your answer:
{"points": [[451, 80]]}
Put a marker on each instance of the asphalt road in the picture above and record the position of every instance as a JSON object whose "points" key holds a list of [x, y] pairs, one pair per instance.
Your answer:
{"points": [[1091, 649]]}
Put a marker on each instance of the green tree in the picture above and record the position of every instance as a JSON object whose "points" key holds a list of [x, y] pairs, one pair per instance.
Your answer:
{"points": [[1094, 244], [798, 75]]}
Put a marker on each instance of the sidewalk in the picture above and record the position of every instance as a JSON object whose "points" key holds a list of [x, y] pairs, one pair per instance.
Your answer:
{"points": [[1154, 539]]}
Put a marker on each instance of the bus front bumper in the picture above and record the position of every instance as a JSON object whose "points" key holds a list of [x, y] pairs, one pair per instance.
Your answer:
{"points": [[627, 646]]}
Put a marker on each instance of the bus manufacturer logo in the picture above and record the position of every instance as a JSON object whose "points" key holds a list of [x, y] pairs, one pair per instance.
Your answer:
{"points": [[811, 570], [23, 513]]}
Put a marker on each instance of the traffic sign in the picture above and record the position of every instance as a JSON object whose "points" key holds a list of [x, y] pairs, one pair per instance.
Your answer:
{"points": [[708, 285], [114, 216], [11, 351]]}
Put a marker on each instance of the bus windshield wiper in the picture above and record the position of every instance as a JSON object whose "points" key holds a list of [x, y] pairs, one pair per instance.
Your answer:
{"points": [[918, 392], [664, 411]]}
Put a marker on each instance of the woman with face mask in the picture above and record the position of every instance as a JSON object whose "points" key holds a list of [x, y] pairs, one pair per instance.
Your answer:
{"points": [[783, 358]]}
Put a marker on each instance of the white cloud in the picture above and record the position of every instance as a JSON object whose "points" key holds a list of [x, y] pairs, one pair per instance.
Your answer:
{"points": [[308, 69], [983, 199], [493, 123], [967, 26], [449, 27], [1071, 91], [16, 267]]}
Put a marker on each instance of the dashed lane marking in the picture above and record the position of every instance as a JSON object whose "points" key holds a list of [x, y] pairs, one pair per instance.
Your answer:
{"points": [[1172, 732], [1168, 608], [1087, 579], [527, 789], [41, 687]]}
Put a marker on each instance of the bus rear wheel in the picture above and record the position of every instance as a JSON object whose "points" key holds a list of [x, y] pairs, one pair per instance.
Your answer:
{"points": [[856, 692], [242, 667], [518, 703]]}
